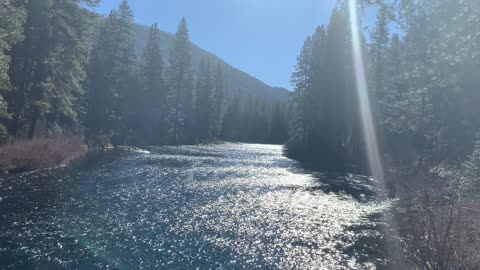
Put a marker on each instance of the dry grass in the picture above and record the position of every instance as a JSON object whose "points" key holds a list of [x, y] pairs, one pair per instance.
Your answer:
{"points": [[40, 153]]}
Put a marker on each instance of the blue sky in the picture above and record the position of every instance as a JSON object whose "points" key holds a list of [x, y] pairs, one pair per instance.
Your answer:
{"points": [[260, 37]]}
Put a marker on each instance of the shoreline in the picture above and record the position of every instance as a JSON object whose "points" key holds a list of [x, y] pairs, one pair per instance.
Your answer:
{"points": [[32, 155]]}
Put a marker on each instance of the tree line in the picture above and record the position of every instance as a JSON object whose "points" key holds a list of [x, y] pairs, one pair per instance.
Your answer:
{"points": [[66, 69], [421, 82]]}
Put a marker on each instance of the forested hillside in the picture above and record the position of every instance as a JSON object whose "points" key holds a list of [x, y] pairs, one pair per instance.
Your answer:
{"points": [[236, 79], [65, 70]]}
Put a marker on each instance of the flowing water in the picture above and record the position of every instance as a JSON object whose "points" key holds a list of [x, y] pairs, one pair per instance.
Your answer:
{"points": [[225, 206]]}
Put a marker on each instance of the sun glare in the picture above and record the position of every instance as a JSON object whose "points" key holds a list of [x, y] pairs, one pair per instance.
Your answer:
{"points": [[368, 125]]}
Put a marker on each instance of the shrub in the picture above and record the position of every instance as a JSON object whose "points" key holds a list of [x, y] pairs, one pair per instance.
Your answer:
{"points": [[36, 154], [440, 228]]}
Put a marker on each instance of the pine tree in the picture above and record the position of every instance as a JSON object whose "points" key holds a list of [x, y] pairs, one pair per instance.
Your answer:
{"points": [[325, 126], [380, 41], [219, 97], [180, 86], [153, 95], [12, 19], [396, 103], [339, 94], [278, 126], [302, 80], [378, 55], [111, 78], [47, 68], [204, 106], [418, 60], [126, 75], [314, 112], [231, 123], [102, 96]]}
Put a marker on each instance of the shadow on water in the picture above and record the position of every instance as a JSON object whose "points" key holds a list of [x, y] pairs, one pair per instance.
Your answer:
{"points": [[360, 187], [372, 244]]}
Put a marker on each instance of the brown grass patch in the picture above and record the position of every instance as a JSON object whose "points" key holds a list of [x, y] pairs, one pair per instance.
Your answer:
{"points": [[28, 155]]}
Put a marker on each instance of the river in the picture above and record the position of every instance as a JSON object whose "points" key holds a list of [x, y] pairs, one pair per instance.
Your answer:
{"points": [[223, 206]]}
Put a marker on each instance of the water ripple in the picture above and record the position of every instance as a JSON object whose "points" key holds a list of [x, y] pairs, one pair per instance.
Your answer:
{"points": [[228, 206]]}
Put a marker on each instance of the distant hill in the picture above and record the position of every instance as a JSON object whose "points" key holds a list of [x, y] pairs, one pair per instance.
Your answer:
{"points": [[236, 79]]}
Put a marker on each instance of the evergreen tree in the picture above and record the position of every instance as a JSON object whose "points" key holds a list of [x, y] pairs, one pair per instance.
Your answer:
{"points": [[111, 78], [12, 19], [259, 123], [325, 126], [279, 125], [418, 60], [231, 123], [314, 112], [250, 119], [102, 96], [302, 80], [204, 107], [397, 104], [219, 97], [180, 87], [127, 77], [152, 108], [47, 68], [339, 95], [380, 41]]}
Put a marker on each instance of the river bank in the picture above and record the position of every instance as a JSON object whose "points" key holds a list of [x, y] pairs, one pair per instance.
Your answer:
{"points": [[31, 155]]}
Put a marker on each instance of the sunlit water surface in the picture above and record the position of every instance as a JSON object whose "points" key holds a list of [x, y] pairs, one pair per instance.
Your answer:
{"points": [[226, 206]]}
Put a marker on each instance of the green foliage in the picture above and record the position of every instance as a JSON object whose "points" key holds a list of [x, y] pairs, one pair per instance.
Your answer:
{"points": [[205, 102], [209, 102], [48, 66], [424, 92], [180, 87], [12, 19], [219, 101], [325, 126], [152, 103], [437, 87], [252, 119], [11, 32], [111, 77], [279, 124], [379, 44]]}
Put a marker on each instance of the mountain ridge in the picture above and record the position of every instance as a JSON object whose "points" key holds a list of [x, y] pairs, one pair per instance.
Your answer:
{"points": [[237, 79]]}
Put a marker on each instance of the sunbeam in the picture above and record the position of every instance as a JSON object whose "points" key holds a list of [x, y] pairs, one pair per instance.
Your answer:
{"points": [[368, 125]]}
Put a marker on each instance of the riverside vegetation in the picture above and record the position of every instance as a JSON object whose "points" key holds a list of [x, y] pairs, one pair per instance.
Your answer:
{"points": [[424, 91]]}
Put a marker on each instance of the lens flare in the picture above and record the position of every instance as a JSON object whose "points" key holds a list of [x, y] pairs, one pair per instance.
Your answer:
{"points": [[368, 125]]}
